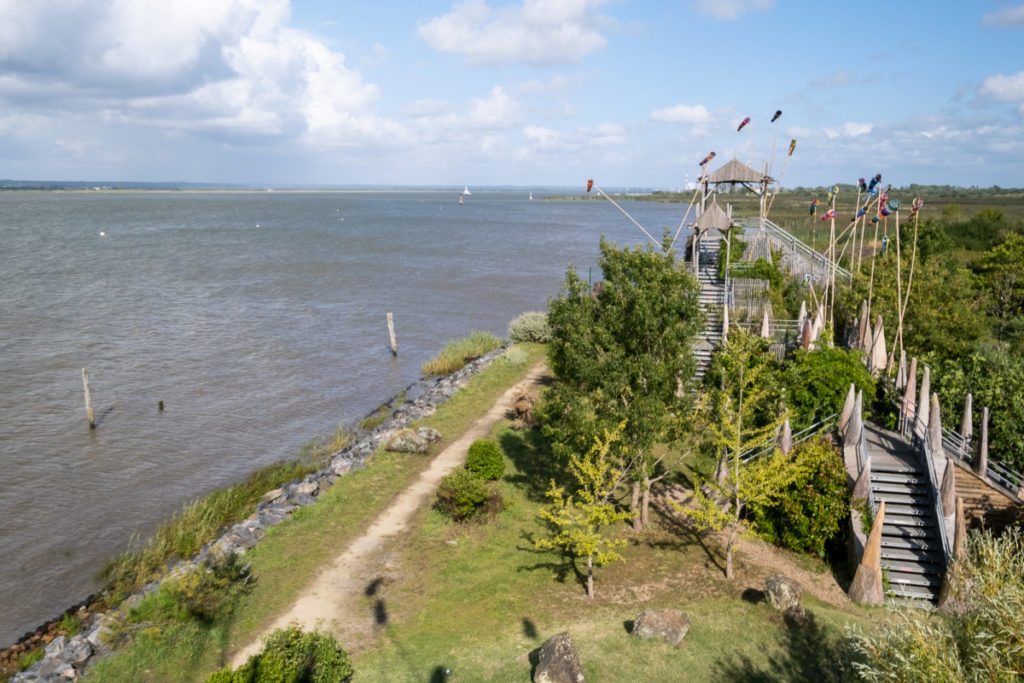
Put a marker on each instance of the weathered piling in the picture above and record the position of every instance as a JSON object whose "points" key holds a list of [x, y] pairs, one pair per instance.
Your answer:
{"points": [[88, 399], [391, 333]]}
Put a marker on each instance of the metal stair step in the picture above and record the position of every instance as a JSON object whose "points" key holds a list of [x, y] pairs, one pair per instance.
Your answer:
{"points": [[910, 509], [919, 555], [900, 468], [913, 596], [903, 567], [907, 543], [918, 580], [894, 478], [909, 531], [903, 496]]}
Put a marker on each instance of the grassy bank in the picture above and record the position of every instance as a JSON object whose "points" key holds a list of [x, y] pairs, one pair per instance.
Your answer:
{"points": [[292, 553], [479, 600]]}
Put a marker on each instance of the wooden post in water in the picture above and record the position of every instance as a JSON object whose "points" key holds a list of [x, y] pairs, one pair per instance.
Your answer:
{"points": [[391, 332], [88, 401]]}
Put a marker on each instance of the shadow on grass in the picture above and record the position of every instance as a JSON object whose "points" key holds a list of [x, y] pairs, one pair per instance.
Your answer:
{"points": [[684, 534], [530, 452], [560, 568], [810, 652]]}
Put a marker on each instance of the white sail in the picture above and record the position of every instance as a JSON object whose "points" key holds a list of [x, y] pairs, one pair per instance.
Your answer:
{"points": [[466, 191]]}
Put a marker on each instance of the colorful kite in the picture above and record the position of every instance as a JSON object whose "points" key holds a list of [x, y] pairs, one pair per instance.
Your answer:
{"points": [[707, 159], [778, 113], [590, 184], [814, 206], [862, 185], [915, 206], [831, 213], [874, 181], [792, 146], [743, 123], [832, 193]]}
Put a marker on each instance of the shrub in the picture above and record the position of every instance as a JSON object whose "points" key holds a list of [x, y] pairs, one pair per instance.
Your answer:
{"points": [[816, 382], [200, 594], [531, 326], [462, 494], [486, 459], [291, 655], [456, 354], [811, 509], [516, 355]]}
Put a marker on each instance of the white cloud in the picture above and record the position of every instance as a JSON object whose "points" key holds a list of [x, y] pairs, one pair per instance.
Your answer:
{"points": [[496, 111], [426, 107], [232, 67], [836, 80], [1008, 16], [855, 129], [731, 10], [683, 113], [537, 32], [1005, 88]]}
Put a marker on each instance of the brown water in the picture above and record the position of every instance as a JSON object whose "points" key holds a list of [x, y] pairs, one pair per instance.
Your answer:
{"points": [[259, 320]]}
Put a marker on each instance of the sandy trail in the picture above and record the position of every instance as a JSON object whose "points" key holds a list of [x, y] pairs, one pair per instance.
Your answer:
{"points": [[332, 600]]}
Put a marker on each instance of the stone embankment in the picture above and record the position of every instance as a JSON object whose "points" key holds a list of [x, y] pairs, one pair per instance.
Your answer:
{"points": [[65, 658]]}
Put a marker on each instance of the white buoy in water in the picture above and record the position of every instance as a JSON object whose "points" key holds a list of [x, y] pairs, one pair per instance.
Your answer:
{"points": [[103, 234]]}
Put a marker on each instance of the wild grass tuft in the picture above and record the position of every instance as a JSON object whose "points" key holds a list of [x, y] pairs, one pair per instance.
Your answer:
{"points": [[456, 354], [516, 355]]}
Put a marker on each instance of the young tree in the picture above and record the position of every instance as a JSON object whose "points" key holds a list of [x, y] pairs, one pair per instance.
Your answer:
{"points": [[736, 423], [622, 355], [575, 520]]}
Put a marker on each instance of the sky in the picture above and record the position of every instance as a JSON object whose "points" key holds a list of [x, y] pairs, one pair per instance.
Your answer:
{"points": [[516, 93]]}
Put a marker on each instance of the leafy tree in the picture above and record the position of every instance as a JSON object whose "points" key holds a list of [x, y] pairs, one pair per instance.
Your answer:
{"points": [[622, 355], [575, 520], [816, 382], [733, 413], [1001, 270]]}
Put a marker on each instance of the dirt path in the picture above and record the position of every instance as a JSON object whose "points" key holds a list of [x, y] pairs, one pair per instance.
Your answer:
{"points": [[332, 600]]}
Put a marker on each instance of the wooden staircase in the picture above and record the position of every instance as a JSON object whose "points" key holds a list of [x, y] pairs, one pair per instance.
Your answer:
{"points": [[711, 297]]}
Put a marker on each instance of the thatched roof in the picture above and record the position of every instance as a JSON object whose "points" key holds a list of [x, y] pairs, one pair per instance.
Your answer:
{"points": [[713, 217], [735, 172]]}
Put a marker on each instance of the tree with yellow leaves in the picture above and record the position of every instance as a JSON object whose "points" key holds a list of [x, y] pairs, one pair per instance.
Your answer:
{"points": [[575, 520], [736, 423]]}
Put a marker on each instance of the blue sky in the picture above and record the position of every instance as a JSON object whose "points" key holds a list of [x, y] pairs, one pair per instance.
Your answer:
{"points": [[489, 92]]}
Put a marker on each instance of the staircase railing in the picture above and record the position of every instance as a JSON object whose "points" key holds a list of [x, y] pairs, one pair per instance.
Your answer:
{"points": [[781, 239], [924, 450], [798, 437]]}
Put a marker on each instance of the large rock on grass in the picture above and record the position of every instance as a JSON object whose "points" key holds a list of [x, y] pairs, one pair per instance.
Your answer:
{"points": [[664, 624], [786, 595], [559, 662], [407, 441]]}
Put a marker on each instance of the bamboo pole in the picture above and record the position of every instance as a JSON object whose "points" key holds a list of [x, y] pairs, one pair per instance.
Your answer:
{"points": [[910, 281], [899, 290], [832, 255], [391, 333], [88, 400], [874, 253]]}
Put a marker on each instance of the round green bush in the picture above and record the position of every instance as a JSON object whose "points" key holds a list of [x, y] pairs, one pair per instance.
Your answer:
{"points": [[531, 326], [486, 459], [811, 509], [291, 655], [462, 494]]}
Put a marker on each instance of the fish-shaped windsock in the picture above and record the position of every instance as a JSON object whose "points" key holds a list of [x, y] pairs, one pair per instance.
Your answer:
{"points": [[708, 158], [590, 184], [861, 212], [792, 146], [832, 193], [814, 206], [831, 213], [862, 184], [874, 181], [915, 206], [778, 113], [743, 123]]}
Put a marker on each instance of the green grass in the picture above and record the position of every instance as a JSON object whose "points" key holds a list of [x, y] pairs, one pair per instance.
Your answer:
{"points": [[292, 553], [456, 354], [476, 598]]}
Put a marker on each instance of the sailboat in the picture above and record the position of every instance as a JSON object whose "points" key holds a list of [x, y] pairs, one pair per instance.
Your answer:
{"points": [[531, 196], [466, 192], [460, 200]]}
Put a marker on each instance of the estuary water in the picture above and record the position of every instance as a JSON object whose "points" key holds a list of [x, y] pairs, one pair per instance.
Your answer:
{"points": [[258, 318]]}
